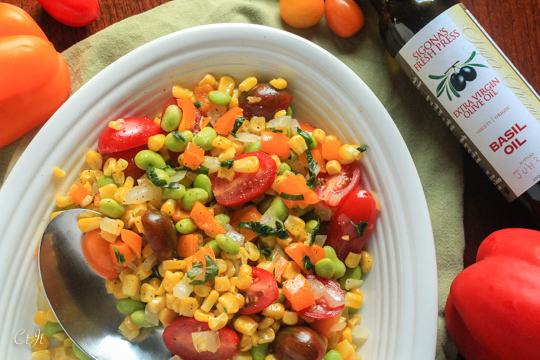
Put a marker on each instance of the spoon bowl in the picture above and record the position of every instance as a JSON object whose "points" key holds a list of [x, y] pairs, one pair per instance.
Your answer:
{"points": [[79, 299]]}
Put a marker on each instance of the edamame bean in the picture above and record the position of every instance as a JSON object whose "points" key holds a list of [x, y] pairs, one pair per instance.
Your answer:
{"points": [[333, 355], [219, 97], [139, 318], [186, 226], [310, 226], [171, 118], [227, 244], [192, 195], [280, 209], [259, 352], [79, 353], [177, 143], [351, 273], [174, 193], [215, 247], [111, 208], [293, 156], [339, 266], [325, 268], [104, 180], [223, 218], [255, 146], [284, 167], [162, 175], [304, 211], [205, 137], [202, 181], [289, 111], [52, 328], [265, 204], [128, 306], [147, 157]]}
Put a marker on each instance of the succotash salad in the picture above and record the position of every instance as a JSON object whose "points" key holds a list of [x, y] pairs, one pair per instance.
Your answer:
{"points": [[237, 227]]}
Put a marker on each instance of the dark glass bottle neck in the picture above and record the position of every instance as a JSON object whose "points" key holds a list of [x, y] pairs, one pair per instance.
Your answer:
{"points": [[400, 20]]}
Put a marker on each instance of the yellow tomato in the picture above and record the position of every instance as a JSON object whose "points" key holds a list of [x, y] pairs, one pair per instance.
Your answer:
{"points": [[301, 13]]}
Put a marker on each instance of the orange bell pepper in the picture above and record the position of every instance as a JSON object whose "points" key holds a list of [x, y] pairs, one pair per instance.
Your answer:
{"points": [[199, 257], [187, 245], [275, 143], [35, 78], [297, 251], [248, 213], [298, 292], [193, 156], [225, 123], [133, 241], [120, 251], [205, 220]]}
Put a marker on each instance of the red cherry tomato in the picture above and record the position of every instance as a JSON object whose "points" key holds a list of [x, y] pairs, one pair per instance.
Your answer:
{"points": [[135, 133], [177, 338], [358, 206], [97, 254], [344, 17], [262, 292], [321, 309], [333, 188], [72, 12], [246, 187], [128, 155]]}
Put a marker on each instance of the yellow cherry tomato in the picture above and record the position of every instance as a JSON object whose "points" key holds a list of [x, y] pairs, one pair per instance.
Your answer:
{"points": [[301, 13]]}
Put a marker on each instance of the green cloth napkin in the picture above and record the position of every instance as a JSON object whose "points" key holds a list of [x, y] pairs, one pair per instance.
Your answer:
{"points": [[437, 155]]}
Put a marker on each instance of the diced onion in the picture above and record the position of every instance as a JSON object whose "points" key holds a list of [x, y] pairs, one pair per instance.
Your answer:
{"points": [[215, 112], [177, 176], [211, 163], [280, 122], [340, 325], [150, 317], [295, 124], [176, 357], [333, 296], [206, 341], [320, 240], [236, 236], [183, 289], [353, 283], [360, 334], [269, 218], [141, 193], [247, 137], [149, 262], [297, 166], [277, 253], [317, 287]]}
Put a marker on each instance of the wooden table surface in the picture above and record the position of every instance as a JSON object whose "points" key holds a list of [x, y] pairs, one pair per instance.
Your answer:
{"points": [[514, 27]]}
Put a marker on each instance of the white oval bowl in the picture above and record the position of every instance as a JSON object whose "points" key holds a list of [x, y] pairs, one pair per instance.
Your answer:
{"points": [[400, 306]]}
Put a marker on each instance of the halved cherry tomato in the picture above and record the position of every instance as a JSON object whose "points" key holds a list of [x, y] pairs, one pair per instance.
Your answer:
{"points": [[246, 187], [97, 254], [128, 155], [321, 309], [177, 338], [262, 292], [358, 206], [72, 12], [344, 17], [333, 188], [135, 132]]}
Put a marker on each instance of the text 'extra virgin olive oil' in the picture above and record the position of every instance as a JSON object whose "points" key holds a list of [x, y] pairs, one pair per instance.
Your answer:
{"points": [[478, 93]]}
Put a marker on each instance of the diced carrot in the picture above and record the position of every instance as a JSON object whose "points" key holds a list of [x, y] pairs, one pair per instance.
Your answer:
{"points": [[188, 115], [330, 150], [78, 192], [198, 257], [124, 253], [298, 292], [201, 95], [180, 214], [248, 213], [297, 251], [193, 156], [187, 245], [275, 143], [133, 241], [225, 123], [306, 127], [281, 264], [323, 326], [204, 219]]}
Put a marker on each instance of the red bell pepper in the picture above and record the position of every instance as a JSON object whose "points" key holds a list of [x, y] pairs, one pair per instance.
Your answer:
{"points": [[493, 309]]}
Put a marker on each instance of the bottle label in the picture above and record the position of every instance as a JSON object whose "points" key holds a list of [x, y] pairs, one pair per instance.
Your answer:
{"points": [[480, 96]]}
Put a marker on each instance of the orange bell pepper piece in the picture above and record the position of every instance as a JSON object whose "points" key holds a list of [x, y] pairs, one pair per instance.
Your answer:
{"points": [[297, 251], [188, 115], [187, 245], [78, 192], [205, 220], [133, 241], [275, 143], [298, 292], [193, 156], [120, 250], [225, 123], [330, 150], [306, 127], [199, 257], [281, 264], [248, 213]]}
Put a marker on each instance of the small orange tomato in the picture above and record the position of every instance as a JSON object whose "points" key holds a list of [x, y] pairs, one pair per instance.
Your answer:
{"points": [[344, 17], [301, 13], [97, 254]]}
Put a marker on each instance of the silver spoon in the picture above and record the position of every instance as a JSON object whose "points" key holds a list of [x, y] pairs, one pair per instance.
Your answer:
{"points": [[78, 298]]}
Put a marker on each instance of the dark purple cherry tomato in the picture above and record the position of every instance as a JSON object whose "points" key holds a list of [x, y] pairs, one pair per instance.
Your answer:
{"points": [[298, 343], [264, 100], [160, 233], [353, 219]]}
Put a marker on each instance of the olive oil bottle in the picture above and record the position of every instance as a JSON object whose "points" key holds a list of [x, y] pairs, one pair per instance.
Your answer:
{"points": [[473, 87]]}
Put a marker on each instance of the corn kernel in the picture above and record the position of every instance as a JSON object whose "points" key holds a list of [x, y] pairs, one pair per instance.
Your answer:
{"points": [[156, 142], [244, 277], [188, 306], [129, 334], [226, 84], [247, 165], [346, 334], [225, 173], [253, 251], [228, 154], [333, 167], [247, 84], [234, 99], [218, 322], [117, 124], [267, 265], [181, 93], [229, 303], [157, 304], [202, 290], [40, 318], [319, 135], [89, 224], [266, 336], [141, 273], [208, 79], [279, 84], [280, 113], [298, 144], [352, 260], [130, 285], [345, 349], [245, 325], [169, 207], [167, 316], [348, 154], [290, 318], [353, 300], [366, 261], [270, 357], [202, 316], [221, 142], [41, 355], [238, 147], [64, 201], [294, 224], [148, 292], [58, 172], [257, 124], [266, 323], [171, 279], [222, 283], [209, 301]]}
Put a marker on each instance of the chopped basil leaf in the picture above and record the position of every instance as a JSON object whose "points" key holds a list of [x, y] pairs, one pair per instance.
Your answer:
{"points": [[238, 122], [360, 228], [315, 231], [197, 104], [119, 256], [265, 251], [157, 181], [212, 270], [292, 196], [272, 129], [312, 165], [362, 148], [227, 163], [179, 136], [308, 138], [263, 230], [308, 265]]}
